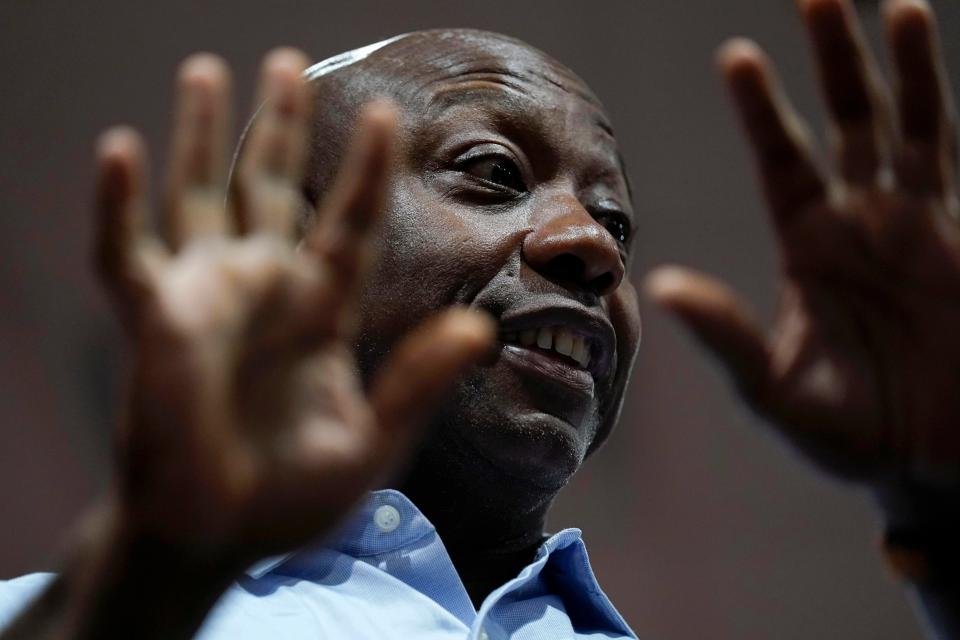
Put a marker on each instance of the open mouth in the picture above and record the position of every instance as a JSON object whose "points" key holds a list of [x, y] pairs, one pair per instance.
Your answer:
{"points": [[563, 345], [556, 342], [553, 355]]}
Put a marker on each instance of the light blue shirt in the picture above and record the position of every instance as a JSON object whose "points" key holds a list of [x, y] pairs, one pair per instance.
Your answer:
{"points": [[388, 575]]}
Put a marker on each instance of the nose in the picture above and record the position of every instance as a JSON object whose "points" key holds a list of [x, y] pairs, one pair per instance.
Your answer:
{"points": [[569, 247]]}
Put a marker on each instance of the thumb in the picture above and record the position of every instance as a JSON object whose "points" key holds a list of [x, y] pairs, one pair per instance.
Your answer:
{"points": [[719, 319], [423, 368]]}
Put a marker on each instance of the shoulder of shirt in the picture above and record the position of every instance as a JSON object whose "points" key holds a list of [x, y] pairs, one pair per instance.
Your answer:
{"points": [[17, 593]]}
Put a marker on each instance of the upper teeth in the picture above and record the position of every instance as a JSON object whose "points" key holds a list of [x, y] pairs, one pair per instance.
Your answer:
{"points": [[562, 341]]}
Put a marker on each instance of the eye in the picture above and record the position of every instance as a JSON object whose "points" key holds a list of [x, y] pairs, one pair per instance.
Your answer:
{"points": [[498, 169], [617, 225]]}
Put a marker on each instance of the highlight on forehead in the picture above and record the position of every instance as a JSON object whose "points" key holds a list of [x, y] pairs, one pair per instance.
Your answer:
{"points": [[346, 58]]}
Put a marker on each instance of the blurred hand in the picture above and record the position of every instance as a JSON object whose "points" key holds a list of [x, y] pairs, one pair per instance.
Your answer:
{"points": [[246, 430], [862, 368]]}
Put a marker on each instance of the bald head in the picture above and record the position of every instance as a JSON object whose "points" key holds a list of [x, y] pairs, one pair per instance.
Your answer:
{"points": [[405, 65]]}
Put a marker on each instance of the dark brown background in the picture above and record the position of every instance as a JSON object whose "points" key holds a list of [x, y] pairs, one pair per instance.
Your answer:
{"points": [[701, 524]]}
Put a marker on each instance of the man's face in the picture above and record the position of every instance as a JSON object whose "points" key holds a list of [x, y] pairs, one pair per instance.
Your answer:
{"points": [[509, 197]]}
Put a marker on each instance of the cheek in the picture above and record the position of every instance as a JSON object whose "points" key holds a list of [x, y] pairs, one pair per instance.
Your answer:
{"points": [[439, 252], [625, 316], [430, 256]]}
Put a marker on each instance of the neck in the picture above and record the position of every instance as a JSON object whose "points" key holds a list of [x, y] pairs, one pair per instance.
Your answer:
{"points": [[490, 524]]}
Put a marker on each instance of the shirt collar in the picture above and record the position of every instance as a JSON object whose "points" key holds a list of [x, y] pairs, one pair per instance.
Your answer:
{"points": [[388, 521], [385, 522]]}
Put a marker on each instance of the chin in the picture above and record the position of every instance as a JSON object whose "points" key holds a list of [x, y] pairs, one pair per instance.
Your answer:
{"points": [[535, 448]]}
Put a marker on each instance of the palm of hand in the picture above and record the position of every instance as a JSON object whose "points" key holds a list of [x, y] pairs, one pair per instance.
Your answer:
{"points": [[861, 366], [247, 430], [229, 427], [864, 355]]}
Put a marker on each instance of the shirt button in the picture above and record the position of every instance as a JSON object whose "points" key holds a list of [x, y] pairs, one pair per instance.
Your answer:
{"points": [[387, 518], [483, 634]]}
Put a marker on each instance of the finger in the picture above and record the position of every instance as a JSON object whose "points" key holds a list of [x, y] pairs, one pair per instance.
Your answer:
{"points": [[342, 237], [406, 391], [121, 216], [420, 373], [788, 173], [197, 172], [289, 316], [719, 320], [267, 186], [927, 120], [851, 88]]}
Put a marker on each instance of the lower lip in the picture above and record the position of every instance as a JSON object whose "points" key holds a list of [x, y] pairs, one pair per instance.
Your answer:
{"points": [[543, 366]]}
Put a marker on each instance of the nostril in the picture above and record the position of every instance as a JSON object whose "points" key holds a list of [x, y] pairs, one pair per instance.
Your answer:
{"points": [[602, 283], [567, 267], [571, 269]]}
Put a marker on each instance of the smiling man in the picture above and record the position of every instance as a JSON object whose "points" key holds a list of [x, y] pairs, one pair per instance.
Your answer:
{"points": [[281, 372], [509, 198]]}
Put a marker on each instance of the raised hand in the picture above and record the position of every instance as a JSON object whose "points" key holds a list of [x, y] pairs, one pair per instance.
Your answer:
{"points": [[862, 367], [247, 430]]}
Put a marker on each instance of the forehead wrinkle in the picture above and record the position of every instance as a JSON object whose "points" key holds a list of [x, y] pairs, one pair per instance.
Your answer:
{"points": [[447, 60], [491, 89], [575, 86], [472, 83], [447, 70], [516, 76]]}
